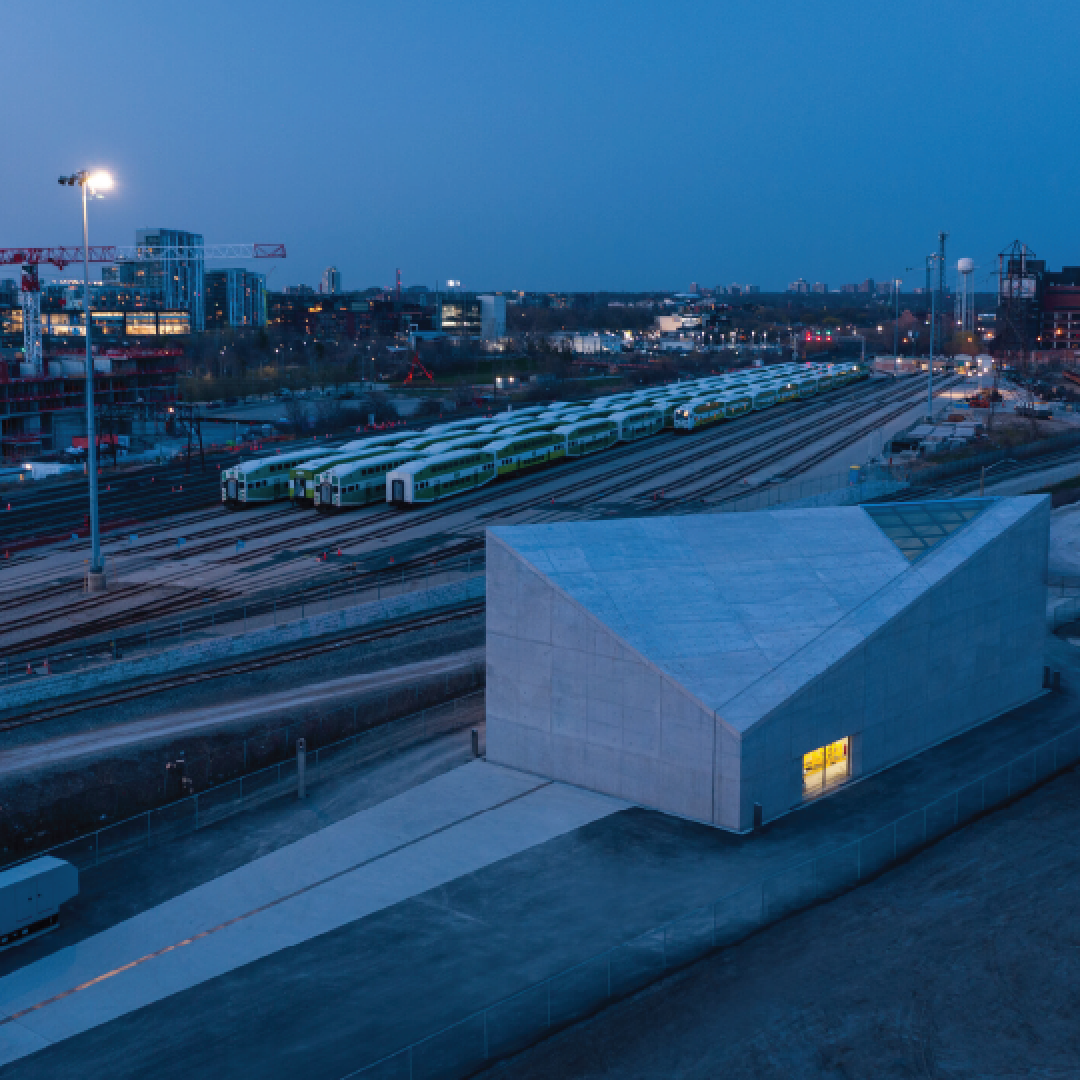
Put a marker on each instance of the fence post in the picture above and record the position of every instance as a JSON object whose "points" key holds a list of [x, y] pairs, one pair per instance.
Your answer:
{"points": [[301, 767]]}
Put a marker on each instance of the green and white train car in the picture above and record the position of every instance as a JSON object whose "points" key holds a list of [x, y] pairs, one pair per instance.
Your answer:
{"points": [[422, 441], [589, 435], [763, 395], [357, 483], [638, 423], [440, 476], [533, 427], [710, 410], [303, 478], [527, 451], [699, 413], [786, 389], [263, 480]]}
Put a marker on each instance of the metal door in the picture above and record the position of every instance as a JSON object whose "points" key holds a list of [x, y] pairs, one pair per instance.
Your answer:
{"points": [[232, 488], [327, 496], [398, 490]]}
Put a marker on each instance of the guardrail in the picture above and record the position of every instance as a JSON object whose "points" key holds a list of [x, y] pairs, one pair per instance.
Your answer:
{"points": [[187, 814], [573, 994]]}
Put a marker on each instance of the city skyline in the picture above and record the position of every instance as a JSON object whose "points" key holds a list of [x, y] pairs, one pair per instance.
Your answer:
{"points": [[618, 148]]}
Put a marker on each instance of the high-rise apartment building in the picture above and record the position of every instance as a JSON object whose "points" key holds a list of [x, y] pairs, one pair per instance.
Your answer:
{"points": [[331, 281], [493, 317], [235, 297], [171, 265]]}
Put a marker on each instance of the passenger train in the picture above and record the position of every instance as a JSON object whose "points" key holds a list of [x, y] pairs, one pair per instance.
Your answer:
{"points": [[459, 455]]}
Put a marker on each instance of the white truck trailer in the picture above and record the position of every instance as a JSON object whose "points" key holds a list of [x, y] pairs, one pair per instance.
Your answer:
{"points": [[30, 898]]}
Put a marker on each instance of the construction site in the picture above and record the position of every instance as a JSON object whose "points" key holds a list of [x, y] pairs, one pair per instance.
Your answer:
{"points": [[150, 300]]}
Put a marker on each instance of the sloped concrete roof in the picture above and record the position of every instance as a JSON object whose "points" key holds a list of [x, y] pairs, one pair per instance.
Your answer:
{"points": [[743, 609]]}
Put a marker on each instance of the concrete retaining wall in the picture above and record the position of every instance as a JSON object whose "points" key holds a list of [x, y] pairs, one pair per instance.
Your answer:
{"points": [[220, 649], [851, 495]]}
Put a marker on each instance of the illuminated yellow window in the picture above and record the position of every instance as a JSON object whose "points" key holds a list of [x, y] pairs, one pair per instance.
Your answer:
{"points": [[826, 767]]}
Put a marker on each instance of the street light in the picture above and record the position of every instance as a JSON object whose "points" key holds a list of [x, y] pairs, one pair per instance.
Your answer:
{"points": [[93, 182], [896, 314]]}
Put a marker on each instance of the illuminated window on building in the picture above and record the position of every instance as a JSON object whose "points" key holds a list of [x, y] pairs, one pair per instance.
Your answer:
{"points": [[62, 324], [142, 324], [826, 767], [108, 322], [174, 323]]}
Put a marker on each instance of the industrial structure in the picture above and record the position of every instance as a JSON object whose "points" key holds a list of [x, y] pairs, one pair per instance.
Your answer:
{"points": [[152, 296], [732, 667], [965, 296]]}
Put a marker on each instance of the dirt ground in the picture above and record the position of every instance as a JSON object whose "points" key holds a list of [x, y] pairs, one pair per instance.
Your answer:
{"points": [[964, 962]]}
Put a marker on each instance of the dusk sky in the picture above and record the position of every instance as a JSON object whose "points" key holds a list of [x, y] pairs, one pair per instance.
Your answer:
{"points": [[573, 146]]}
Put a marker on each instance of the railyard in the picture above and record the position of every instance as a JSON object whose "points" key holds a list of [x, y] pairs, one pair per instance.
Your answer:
{"points": [[187, 561], [88, 764]]}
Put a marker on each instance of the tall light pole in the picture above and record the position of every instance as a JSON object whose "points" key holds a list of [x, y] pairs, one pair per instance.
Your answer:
{"points": [[92, 183], [933, 326], [896, 315]]}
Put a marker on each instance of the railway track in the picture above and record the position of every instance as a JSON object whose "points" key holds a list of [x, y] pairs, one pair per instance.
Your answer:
{"points": [[797, 425], [101, 632], [676, 452], [823, 454], [258, 663]]}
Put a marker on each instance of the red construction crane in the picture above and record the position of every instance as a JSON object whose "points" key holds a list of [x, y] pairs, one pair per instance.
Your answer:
{"points": [[30, 258]]}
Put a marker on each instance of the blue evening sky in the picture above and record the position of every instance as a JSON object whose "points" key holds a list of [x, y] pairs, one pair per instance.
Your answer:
{"points": [[553, 145]]}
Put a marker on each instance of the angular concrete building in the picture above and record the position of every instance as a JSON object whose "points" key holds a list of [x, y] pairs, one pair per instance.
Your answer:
{"points": [[707, 665]]}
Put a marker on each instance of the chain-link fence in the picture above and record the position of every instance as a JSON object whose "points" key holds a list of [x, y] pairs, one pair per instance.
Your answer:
{"points": [[512, 1024], [208, 798]]}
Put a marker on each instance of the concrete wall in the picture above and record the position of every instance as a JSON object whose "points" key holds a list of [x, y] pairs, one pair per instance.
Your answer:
{"points": [[968, 648], [567, 699], [948, 644], [214, 650]]}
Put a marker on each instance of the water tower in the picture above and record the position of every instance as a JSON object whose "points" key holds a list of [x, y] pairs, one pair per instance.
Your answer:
{"points": [[965, 268]]}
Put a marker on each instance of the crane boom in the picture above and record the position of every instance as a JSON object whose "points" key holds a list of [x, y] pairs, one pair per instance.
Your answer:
{"points": [[65, 256], [30, 258]]}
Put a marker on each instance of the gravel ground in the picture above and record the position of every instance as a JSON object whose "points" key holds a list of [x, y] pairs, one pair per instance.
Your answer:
{"points": [[964, 962]]}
